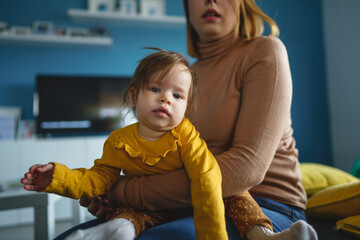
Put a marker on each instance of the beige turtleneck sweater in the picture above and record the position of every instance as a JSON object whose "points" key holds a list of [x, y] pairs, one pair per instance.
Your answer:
{"points": [[243, 114]]}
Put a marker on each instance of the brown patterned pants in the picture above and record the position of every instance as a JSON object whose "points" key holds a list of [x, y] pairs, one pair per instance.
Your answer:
{"points": [[243, 211]]}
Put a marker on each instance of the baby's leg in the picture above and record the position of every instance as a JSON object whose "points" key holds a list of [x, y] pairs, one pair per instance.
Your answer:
{"points": [[143, 220], [245, 213], [128, 223], [250, 221], [118, 228]]}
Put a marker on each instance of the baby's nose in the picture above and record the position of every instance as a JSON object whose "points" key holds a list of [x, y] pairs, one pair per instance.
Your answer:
{"points": [[165, 99]]}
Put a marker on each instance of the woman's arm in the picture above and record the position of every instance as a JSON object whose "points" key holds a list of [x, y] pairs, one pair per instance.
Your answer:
{"points": [[153, 192], [263, 118]]}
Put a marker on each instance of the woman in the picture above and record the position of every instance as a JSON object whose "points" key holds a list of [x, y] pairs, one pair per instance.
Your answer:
{"points": [[245, 93]]}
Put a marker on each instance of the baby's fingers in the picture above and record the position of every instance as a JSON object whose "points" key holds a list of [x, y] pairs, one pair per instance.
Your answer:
{"points": [[30, 184], [28, 175], [28, 181], [45, 168], [34, 167], [31, 187]]}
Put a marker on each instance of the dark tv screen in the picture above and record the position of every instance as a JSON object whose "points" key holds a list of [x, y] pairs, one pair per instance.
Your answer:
{"points": [[78, 105]]}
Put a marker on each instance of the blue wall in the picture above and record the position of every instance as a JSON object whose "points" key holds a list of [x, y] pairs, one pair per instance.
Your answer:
{"points": [[301, 31], [20, 63]]}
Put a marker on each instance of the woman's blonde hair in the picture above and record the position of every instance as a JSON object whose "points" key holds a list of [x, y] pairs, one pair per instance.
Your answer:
{"points": [[250, 23], [161, 62]]}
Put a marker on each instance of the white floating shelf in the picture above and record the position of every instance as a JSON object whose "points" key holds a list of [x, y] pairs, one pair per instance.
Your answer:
{"points": [[117, 17], [52, 39]]}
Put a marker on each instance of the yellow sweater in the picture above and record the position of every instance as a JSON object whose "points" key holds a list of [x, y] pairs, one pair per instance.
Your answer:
{"points": [[126, 150]]}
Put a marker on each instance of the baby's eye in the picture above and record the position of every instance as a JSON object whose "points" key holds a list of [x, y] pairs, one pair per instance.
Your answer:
{"points": [[177, 96], [154, 89]]}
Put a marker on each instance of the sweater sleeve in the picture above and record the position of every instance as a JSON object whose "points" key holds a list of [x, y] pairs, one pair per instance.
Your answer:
{"points": [[263, 117], [82, 182], [265, 108]]}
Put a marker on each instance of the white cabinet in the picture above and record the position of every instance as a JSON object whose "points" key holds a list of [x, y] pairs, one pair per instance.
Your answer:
{"points": [[9, 156], [17, 156]]}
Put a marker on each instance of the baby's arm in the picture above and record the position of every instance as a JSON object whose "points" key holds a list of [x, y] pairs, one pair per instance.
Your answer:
{"points": [[205, 177], [39, 177], [82, 182], [76, 183]]}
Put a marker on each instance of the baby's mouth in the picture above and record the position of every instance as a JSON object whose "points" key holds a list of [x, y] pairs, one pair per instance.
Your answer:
{"points": [[162, 111]]}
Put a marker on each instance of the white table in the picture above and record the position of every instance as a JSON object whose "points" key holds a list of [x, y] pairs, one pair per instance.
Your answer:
{"points": [[44, 210]]}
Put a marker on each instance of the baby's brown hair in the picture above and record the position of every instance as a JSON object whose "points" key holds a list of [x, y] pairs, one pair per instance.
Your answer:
{"points": [[161, 62]]}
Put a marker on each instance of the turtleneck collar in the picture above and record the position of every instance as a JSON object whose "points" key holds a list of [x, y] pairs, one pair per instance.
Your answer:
{"points": [[220, 46]]}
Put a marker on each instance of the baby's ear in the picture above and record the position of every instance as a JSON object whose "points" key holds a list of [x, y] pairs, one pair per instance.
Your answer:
{"points": [[132, 97]]}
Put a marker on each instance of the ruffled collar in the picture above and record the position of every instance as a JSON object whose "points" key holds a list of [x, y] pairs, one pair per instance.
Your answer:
{"points": [[218, 47], [150, 152]]}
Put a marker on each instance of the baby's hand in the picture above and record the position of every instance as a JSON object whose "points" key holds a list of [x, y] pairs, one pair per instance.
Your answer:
{"points": [[39, 177]]}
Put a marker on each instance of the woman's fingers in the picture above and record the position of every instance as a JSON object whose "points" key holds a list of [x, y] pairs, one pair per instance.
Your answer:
{"points": [[97, 206], [94, 205], [84, 202], [103, 210], [109, 213]]}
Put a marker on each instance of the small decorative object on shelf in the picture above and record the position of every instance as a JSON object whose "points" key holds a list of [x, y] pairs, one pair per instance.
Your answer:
{"points": [[61, 31], [47, 32], [101, 5], [128, 7], [167, 21], [98, 32], [3, 27], [20, 30], [79, 32], [152, 8], [43, 28]]}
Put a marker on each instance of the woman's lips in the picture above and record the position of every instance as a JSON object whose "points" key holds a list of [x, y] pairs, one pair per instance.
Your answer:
{"points": [[211, 14]]}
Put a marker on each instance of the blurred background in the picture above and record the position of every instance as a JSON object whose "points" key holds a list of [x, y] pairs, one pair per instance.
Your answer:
{"points": [[322, 38]]}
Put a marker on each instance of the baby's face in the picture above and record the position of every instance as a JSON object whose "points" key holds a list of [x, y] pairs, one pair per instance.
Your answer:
{"points": [[162, 105]]}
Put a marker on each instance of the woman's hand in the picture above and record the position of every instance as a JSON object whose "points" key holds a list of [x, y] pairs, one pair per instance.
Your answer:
{"points": [[103, 206], [99, 206], [39, 177]]}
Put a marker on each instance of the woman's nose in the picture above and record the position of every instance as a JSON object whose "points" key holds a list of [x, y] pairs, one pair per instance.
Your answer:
{"points": [[210, 1]]}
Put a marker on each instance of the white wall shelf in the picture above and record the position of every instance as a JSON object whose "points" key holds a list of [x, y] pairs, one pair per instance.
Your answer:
{"points": [[54, 40], [118, 18]]}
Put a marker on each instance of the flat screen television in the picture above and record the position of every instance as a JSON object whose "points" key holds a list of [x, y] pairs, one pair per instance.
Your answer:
{"points": [[78, 105]]}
